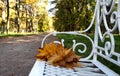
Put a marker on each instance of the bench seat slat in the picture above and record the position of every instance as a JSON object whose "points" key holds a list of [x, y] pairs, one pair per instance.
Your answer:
{"points": [[38, 68], [41, 68]]}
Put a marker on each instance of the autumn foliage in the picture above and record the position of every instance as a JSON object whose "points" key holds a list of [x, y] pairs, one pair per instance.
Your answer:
{"points": [[57, 55]]}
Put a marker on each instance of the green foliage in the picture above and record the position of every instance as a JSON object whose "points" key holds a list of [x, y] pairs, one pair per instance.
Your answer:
{"points": [[79, 39], [42, 17], [24, 15], [43, 24], [73, 14], [31, 15]]}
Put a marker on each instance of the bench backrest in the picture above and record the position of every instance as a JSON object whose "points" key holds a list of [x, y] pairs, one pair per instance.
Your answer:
{"points": [[101, 15]]}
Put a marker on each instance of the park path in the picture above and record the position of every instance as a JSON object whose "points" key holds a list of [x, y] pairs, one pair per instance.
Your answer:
{"points": [[17, 54]]}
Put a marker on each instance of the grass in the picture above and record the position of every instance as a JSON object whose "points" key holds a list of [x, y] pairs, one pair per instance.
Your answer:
{"points": [[15, 35], [68, 44]]}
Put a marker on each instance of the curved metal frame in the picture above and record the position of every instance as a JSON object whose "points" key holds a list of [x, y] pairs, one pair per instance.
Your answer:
{"points": [[100, 14]]}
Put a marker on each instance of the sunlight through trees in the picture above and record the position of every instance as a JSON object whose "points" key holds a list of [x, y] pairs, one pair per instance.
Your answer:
{"points": [[44, 15]]}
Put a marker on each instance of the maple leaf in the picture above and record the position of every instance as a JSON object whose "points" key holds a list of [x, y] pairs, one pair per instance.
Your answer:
{"points": [[57, 55], [68, 59], [49, 50]]}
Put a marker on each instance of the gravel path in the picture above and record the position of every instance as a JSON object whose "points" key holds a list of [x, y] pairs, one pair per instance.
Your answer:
{"points": [[17, 54]]}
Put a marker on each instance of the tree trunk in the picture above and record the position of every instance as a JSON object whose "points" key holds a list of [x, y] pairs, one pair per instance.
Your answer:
{"points": [[3, 22], [26, 19], [17, 15], [31, 25], [3, 26], [7, 28]]}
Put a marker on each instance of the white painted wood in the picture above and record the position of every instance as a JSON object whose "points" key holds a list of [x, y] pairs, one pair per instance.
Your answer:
{"points": [[105, 69], [77, 71], [88, 64], [38, 68]]}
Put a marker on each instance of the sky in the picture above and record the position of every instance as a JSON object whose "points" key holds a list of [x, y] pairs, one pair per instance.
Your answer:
{"points": [[51, 6]]}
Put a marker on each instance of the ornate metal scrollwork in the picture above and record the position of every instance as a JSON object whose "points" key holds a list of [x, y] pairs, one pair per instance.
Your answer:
{"points": [[100, 18], [102, 12]]}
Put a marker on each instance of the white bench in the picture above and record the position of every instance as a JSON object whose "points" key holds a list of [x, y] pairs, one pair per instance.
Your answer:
{"points": [[92, 66]]}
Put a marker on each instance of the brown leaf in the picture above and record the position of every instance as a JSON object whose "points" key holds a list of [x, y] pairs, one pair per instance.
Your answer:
{"points": [[57, 55]]}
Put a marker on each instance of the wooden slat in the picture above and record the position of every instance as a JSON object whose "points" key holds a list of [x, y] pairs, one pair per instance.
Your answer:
{"points": [[86, 70], [38, 68], [41, 68]]}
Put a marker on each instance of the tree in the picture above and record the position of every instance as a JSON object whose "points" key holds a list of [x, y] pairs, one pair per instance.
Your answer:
{"points": [[42, 16], [26, 14], [72, 15], [31, 1], [7, 28], [23, 15], [17, 7], [2, 14]]}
